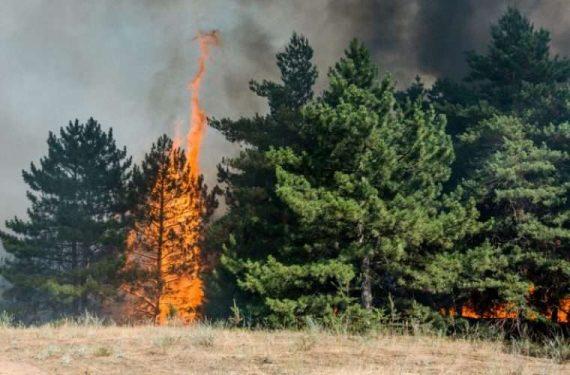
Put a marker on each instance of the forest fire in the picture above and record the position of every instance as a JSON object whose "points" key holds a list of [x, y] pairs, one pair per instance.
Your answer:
{"points": [[378, 200], [164, 251], [506, 311]]}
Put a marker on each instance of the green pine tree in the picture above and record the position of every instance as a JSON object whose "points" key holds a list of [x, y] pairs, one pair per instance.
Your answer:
{"points": [[523, 190], [366, 192], [513, 159], [257, 222], [518, 57], [64, 257]]}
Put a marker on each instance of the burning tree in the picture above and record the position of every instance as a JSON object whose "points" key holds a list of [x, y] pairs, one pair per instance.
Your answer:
{"points": [[171, 207]]}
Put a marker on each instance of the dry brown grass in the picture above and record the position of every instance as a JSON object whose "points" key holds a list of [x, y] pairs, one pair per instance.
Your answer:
{"points": [[77, 349]]}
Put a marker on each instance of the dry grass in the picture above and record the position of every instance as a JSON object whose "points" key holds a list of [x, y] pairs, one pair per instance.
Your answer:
{"points": [[95, 349]]}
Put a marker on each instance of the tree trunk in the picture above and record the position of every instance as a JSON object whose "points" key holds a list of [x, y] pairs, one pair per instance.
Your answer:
{"points": [[76, 281], [159, 255], [554, 316], [366, 288]]}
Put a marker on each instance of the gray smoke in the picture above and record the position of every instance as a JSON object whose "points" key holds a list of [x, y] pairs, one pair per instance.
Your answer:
{"points": [[432, 36], [127, 63], [407, 37]]}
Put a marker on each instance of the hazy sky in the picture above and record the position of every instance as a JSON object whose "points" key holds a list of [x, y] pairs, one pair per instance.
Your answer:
{"points": [[127, 62]]}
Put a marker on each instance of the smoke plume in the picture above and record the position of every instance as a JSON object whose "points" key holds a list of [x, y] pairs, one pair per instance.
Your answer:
{"points": [[127, 63]]}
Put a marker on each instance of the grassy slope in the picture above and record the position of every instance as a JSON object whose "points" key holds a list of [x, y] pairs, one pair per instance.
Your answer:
{"points": [[73, 349]]}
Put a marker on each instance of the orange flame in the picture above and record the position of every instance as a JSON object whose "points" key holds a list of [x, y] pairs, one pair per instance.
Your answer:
{"points": [[167, 248], [564, 310], [163, 249], [182, 293], [197, 116], [509, 311]]}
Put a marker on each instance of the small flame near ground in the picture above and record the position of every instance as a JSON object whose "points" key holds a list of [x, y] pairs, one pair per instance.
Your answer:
{"points": [[175, 289], [509, 311]]}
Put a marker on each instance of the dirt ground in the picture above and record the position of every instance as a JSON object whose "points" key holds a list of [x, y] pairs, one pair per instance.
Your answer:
{"points": [[153, 350], [9, 368]]}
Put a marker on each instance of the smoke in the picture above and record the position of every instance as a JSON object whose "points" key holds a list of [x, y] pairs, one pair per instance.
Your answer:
{"points": [[407, 37], [128, 63], [438, 33]]}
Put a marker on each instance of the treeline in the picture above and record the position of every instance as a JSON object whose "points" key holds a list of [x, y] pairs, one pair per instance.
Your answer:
{"points": [[357, 200], [422, 201]]}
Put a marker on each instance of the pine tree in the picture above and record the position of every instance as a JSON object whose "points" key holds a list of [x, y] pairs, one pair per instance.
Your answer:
{"points": [[513, 156], [523, 190], [518, 57], [520, 257], [257, 222], [367, 197], [517, 76], [66, 254], [164, 260]]}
